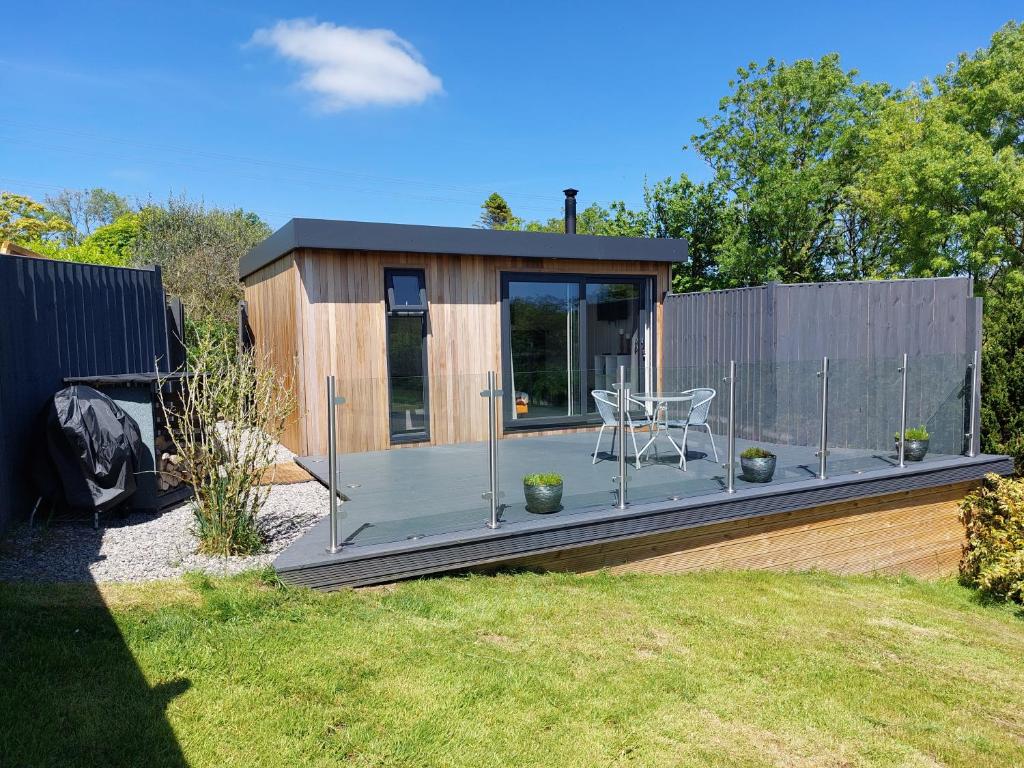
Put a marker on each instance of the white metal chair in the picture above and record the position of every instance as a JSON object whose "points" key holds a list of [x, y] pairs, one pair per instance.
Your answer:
{"points": [[608, 406], [697, 416]]}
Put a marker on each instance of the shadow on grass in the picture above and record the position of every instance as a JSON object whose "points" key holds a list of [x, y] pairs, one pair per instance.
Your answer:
{"points": [[71, 693], [988, 600]]}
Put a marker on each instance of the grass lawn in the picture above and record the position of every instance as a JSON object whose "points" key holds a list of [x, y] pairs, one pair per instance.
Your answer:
{"points": [[737, 669]]}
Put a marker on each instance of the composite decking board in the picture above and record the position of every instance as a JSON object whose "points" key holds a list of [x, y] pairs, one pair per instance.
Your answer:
{"points": [[446, 482], [756, 500], [306, 562]]}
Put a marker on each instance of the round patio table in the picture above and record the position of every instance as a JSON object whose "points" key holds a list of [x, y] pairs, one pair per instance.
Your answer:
{"points": [[659, 402]]}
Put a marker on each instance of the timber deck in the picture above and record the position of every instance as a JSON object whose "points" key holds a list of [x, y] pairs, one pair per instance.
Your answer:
{"points": [[419, 511]]}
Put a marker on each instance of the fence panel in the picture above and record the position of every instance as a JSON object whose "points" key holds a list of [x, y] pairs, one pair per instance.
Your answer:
{"points": [[65, 319], [866, 326]]}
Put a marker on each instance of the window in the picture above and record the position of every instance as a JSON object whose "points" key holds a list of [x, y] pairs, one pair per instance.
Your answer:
{"points": [[408, 412], [406, 291], [565, 336]]}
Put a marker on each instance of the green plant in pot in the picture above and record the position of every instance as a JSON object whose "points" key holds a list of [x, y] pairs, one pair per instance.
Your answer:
{"points": [[915, 443], [758, 465], [543, 493]]}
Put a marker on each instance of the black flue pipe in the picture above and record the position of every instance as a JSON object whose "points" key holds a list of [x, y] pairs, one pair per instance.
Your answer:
{"points": [[570, 210]]}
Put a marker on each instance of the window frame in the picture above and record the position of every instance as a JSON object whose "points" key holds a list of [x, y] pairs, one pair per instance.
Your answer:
{"points": [[403, 312], [647, 285], [389, 291]]}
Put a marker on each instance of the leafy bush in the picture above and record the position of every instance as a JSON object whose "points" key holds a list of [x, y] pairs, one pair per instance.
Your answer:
{"points": [[229, 421], [914, 433], [993, 560], [112, 245], [1002, 370], [543, 478], [757, 453], [198, 249]]}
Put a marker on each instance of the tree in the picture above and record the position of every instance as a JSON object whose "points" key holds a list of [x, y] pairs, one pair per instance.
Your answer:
{"points": [[497, 213], [112, 245], [1002, 403], [23, 220], [87, 209], [701, 214], [984, 92], [198, 250], [784, 148], [954, 204]]}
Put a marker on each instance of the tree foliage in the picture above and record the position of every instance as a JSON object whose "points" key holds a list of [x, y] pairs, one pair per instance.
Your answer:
{"points": [[86, 210], [23, 220], [784, 149], [198, 250], [496, 213]]}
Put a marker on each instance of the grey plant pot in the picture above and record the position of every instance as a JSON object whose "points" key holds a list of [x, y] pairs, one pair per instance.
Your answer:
{"points": [[543, 499], [913, 450], [758, 470]]}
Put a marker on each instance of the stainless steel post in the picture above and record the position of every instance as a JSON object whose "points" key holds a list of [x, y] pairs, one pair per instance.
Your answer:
{"points": [[332, 462], [621, 447], [823, 449], [730, 472], [492, 450], [903, 410], [972, 417]]}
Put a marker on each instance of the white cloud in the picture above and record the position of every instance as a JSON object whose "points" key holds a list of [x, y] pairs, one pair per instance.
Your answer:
{"points": [[347, 67]]}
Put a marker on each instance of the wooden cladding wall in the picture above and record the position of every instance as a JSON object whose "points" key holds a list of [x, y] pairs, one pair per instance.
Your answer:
{"points": [[272, 298], [915, 532], [335, 322]]}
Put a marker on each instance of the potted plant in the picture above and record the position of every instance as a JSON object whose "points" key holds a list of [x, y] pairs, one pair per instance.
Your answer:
{"points": [[543, 492], [915, 443], [758, 465]]}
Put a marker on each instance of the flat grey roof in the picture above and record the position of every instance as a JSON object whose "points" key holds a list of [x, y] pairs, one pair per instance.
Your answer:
{"points": [[417, 238]]}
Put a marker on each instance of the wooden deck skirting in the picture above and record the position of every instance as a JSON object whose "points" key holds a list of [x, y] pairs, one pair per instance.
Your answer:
{"points": [[914, 532]]}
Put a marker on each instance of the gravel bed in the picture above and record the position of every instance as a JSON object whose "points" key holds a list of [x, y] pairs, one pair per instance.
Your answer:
{"points": [[147, 547]]}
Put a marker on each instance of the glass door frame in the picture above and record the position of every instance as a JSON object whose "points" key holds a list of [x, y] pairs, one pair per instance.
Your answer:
{"points": [[647, 369]]}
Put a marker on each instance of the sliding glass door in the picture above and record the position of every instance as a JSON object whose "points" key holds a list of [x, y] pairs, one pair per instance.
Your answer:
{"points": [[544, 342], [565, 336]]}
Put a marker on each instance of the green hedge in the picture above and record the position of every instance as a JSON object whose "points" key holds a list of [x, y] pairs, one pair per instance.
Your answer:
{"points": [[993, 560]]}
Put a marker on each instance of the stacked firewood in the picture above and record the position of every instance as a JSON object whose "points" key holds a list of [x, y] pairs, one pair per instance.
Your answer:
{"points": [[171, 472]]}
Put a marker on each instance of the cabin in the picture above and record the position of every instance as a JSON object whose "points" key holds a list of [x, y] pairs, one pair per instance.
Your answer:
{"points": [[409, 319]]}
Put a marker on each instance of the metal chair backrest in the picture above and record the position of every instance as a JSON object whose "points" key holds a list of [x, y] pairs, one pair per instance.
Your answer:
{"points": [[700, 405], [607, 405]]}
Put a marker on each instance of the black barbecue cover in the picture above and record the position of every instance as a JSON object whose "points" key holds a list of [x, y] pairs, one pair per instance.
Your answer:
{"points": [[90, 450]]}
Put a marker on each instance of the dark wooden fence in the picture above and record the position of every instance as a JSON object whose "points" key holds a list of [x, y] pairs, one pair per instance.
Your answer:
{"points": [[62, 319], [779, 333]]}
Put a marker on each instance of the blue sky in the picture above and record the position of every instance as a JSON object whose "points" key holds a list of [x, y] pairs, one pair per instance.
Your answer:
{"points": [[297, 109]]}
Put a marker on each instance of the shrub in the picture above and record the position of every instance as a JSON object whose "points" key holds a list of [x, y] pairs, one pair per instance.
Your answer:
{"points": [[229, 421], [543, 478], [198, 249], [1002, 369], [914, 433], [757, 453], [993, 560]]}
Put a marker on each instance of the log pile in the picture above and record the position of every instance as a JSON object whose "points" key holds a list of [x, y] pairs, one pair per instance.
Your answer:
{"points": [[171, 472]]}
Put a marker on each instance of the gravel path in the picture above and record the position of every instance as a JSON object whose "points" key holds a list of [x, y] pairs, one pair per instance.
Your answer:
{"points": [[147, 547]]}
